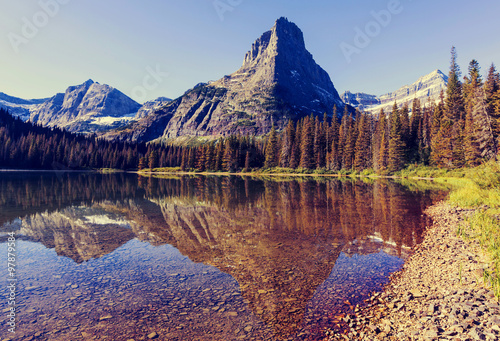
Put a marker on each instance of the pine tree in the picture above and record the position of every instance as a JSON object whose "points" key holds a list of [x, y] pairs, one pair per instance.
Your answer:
{"points": [[454, 113], [472, 83], [333, 156], [376, 138], [306, 147], [219, 154], [153, 159], [492, 90], [424, 136], [384, 146], [396, 156], [295, 157], [491, 86], [210, 156], [319, 144], [200, 158], [287, 145], [414, 136], [362, 155], [480, 137], [142, 163], [347, 140], [272, 150], [247, 161], [230, 157]]}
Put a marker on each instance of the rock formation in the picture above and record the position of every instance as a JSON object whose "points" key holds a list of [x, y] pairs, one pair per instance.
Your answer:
{"points": [[279, 80]]}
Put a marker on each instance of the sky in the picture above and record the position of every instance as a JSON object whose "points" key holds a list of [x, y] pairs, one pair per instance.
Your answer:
{"points": [[154, 48]]}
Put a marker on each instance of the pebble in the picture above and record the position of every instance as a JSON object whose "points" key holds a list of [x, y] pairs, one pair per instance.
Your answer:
{"points": [[153, 335], [436, 296]]}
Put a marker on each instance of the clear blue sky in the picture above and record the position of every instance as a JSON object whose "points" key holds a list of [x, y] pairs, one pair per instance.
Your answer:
{"points": [[121, 43]]}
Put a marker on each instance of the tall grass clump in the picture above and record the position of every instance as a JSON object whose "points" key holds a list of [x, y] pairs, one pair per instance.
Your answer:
{"points": [[480, 190]]}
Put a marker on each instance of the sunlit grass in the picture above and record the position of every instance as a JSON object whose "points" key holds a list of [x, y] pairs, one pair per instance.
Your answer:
{"points": [[476, 188]]}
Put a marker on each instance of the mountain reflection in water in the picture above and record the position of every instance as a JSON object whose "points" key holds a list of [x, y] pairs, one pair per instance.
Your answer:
{"points": [[280, 240]]}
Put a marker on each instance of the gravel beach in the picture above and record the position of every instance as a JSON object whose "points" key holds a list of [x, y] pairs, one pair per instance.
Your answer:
{"points": [[438, 295]]}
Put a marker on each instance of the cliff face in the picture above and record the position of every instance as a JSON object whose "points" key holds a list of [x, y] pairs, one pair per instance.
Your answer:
{"points": [[279, 80]]}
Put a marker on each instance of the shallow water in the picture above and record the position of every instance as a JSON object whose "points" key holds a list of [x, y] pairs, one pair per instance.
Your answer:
{"points": [[118, 257]]}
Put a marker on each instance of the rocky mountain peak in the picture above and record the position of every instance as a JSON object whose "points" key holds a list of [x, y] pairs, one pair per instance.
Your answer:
{"points": [[279, 80], [283, 37], [87, 107]]}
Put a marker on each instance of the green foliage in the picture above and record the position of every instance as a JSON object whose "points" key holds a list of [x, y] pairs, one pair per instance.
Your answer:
{"points": [[245, 123]]}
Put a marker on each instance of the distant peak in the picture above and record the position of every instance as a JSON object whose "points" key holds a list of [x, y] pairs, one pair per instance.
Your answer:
{"points": [[89, 82]]}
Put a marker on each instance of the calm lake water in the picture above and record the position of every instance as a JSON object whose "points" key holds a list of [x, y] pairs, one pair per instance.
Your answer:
{"points": [[119, 257]]}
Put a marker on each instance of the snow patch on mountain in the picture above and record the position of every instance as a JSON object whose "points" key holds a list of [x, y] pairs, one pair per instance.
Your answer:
{"points": [[426, 88]]}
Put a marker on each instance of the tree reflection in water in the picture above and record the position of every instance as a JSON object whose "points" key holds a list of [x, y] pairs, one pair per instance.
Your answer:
{"points": [[279, 240]]}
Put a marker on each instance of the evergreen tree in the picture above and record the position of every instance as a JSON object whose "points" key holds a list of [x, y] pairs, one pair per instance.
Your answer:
{"points": [[287, 145], [492, 91], [362, 155], [230, 157], [472, 83], [247, 161], [306, 147], [396, 155], [384, 146], [480, 142], [491, 86], [376, 139], [296, 146], [153, 159], [415, 132], [210, 156], [454, 113], [333, 155], [319, 144], [219, 154], [272, 150]]}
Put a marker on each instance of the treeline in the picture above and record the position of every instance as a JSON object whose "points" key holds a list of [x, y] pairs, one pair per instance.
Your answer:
{"points": [[462, 129], [24, 145]]}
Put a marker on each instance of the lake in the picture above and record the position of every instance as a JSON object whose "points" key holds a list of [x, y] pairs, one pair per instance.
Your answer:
{"points": [[123, 257]]}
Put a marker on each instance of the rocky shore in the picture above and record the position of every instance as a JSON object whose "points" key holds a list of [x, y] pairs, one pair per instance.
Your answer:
{"points": [[438, 295]]}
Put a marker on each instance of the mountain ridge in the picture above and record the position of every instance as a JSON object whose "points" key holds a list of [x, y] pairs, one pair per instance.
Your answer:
{"points": [[427, 87], [89, 107]]}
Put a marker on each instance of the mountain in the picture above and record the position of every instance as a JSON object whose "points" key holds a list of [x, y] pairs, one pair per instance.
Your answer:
{"points": [[86, 108], [19, 107], [359, 99], [151, 106], [279, 80], [425, 88]]}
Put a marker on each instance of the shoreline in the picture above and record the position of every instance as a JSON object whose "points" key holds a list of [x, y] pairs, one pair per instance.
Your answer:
{"points": [[253, 174], [438, 294], [256, 174]]}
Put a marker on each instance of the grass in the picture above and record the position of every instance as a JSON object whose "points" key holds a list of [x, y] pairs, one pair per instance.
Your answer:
{"points": [[479, 189], [475, 188]]}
